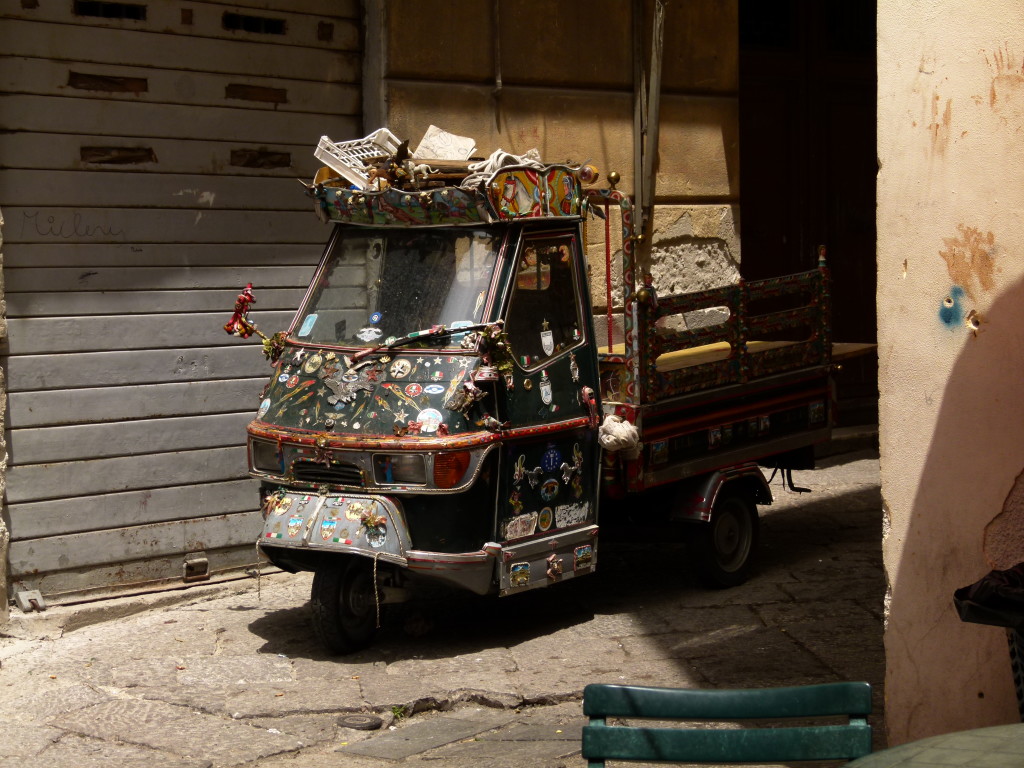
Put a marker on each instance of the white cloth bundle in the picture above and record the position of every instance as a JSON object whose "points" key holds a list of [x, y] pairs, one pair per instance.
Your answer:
{"points": [[616, 434]]}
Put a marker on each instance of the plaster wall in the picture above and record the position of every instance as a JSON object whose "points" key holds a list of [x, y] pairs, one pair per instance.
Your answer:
{"points": [[542, 75], [951, 349]]}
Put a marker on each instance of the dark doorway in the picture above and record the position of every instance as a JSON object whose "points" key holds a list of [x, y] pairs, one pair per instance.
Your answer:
{"points": [[807, 157]]}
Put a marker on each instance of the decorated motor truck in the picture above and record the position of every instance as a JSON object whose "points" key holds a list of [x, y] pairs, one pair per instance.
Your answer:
{"points": [[444, 406]]}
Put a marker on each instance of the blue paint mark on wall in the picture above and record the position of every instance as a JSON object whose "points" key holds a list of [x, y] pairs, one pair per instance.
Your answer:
{"points": [[951, 313]]}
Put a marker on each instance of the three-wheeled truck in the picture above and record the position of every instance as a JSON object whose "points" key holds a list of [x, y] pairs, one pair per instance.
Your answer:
{"points": [[436, 406]]}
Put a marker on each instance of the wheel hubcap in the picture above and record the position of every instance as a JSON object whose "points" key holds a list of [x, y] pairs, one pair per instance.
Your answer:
{"points": [[357, 599], [732, 539]]}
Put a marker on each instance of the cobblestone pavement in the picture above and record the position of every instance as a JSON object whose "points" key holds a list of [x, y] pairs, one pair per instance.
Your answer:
{"points": [[231, 675]]}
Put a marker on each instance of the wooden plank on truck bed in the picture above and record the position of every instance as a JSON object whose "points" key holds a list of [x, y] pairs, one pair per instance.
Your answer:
{"points": [[845, 350], [708, 353]]}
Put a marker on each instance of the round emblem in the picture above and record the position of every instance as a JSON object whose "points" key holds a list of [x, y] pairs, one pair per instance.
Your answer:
{"points": [[349, 376], [264, 407], [414, 390], [551, 460], [312, 365], [544, 518], [433, 389], [430, 419], [400, 369], [549, 490], [292, 381], [375, 317], [283, 377]]}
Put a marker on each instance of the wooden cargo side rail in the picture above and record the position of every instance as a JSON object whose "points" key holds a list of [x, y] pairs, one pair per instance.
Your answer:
{"points": [[751, 343], [660, 362]]}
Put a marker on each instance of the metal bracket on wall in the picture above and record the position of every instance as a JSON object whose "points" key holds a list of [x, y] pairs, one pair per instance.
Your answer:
{"points": [[29, 600], [196, 567]]}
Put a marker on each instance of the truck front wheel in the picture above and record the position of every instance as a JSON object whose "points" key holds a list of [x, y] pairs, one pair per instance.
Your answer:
{"points": [[724, 547], [345, 605]]}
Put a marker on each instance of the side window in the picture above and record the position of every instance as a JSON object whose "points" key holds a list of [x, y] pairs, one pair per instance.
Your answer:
{"points": [[543, 317]]}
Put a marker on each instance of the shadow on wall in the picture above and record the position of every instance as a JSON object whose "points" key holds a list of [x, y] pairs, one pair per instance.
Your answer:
{"points": [[942, 674]]}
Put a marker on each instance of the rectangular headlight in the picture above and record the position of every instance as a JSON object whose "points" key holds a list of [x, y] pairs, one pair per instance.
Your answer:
{"points": [[266, 458], [399, 469]]}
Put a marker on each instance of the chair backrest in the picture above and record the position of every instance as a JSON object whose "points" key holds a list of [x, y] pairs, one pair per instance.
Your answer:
{"points": [[841, 741]]}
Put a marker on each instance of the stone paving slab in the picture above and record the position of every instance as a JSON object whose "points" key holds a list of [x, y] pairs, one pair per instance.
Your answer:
{"points": [[499, 754], [245, 670], [420, 737], [78, 752], [177, 730], [55, 701], [759, 658], [22, 740], [530, 732], [309, 729]]}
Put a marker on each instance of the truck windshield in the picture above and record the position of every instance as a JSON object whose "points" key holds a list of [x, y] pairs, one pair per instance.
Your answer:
{"points": [[378, 285]]}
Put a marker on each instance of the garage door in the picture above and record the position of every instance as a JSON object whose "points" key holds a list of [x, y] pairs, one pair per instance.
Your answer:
{"points": [[150, 152]]}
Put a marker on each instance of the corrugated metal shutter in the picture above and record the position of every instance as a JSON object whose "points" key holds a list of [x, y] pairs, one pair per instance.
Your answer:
{"points": [[149, 152]]}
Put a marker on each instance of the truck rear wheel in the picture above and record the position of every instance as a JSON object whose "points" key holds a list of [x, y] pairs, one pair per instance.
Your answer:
{"points": [[345, 606], [724, 547]]}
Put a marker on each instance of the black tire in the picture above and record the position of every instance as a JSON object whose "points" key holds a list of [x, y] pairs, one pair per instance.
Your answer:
{"points": [[344, 605], [725, 547]]}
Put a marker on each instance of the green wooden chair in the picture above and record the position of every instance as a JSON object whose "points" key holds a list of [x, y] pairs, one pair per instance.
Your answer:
{"points": [[842, 741]]}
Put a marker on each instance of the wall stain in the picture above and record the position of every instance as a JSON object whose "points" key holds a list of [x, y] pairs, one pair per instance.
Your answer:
{"points": [[1006, 92], [951, 313], [939, 125], [970, 259]]}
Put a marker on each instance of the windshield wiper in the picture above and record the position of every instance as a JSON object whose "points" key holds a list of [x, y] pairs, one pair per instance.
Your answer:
{"points": [[436, 332]]}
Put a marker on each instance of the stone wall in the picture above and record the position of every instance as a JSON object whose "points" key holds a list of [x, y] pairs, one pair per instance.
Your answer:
{"points": [[544, 75]]}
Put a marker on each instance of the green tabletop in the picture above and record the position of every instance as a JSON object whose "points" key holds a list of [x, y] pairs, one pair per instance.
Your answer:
{"points": [[999, 747]]}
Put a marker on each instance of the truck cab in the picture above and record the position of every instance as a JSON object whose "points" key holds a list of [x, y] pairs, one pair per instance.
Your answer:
{"points": [[434, 408]]}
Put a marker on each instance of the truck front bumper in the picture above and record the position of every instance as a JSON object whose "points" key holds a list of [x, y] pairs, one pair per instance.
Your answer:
{"points": [[368, 525]]}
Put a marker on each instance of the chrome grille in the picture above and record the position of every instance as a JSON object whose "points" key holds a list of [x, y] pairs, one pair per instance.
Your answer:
{"points": [[333, 474]]}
